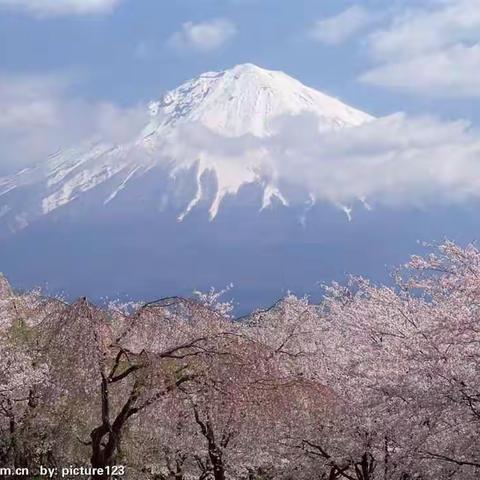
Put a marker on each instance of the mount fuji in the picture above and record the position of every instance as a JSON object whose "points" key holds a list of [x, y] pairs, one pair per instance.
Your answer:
{"points": [[205, 195], [209, 125]]}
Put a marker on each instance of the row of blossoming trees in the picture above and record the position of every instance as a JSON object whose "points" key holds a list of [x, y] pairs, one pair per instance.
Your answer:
{"points": [[373, 383]]}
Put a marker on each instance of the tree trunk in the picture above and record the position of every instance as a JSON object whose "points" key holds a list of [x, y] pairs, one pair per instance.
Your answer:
{"points": [[104, 454], [217, 461], [215, 452], [366, 467], [333, 474], [107, 437]]}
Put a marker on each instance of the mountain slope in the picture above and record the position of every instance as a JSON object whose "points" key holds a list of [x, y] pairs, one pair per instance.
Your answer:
{"points": [[211, 124]]}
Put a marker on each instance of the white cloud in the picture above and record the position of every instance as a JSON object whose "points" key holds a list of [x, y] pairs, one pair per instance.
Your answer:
{"points": [[442, 24], [203, 36], [341, 27], [394, 161], [38, 116], [44, 8], [26, 101], [452, 72], [433, 50]]}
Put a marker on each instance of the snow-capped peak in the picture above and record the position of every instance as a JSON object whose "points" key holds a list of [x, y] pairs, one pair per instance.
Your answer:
{"points": [[214, 123], [246, 99]]}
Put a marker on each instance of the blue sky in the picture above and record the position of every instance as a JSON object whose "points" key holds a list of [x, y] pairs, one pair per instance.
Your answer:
{"points": [[126, 55], [123, 51]]}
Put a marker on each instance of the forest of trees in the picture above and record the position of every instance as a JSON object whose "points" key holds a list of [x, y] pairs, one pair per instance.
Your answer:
{"points": [[373, 383]]}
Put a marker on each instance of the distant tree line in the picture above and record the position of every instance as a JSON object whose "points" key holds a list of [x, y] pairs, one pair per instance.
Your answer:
{"points": [[373, 383]]}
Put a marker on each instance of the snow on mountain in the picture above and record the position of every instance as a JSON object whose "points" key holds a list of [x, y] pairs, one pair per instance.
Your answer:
{"points": [[212, 123], [246, 99]]}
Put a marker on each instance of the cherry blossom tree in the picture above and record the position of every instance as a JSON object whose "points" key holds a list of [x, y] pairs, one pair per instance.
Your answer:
{"points": [[23, 375], [374, 383], [406, 362]]}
